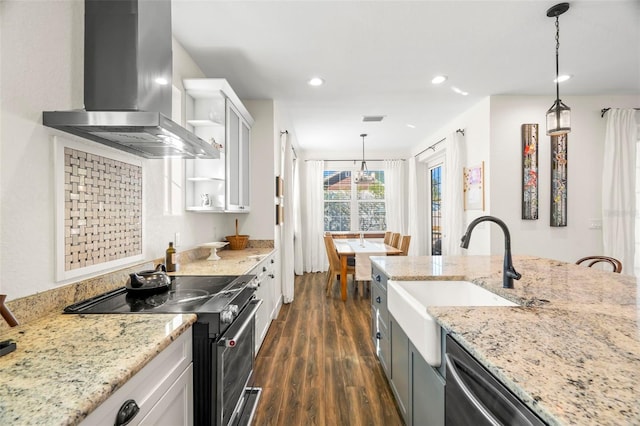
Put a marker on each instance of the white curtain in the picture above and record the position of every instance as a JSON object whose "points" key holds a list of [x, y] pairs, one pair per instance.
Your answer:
{"points": [[452, 201], [298, 267], [618, 187], [394, 195], [288, 225], [315, 255], [415, 205]]}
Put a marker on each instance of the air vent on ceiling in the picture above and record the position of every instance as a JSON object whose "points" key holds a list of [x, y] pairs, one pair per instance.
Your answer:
{"points": [[367, 118]]}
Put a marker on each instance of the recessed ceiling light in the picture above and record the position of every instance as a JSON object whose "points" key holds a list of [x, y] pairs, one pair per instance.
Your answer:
{"points": [[563, 77], [411, 126], [458, 91], [439, 79], [316, 81]]}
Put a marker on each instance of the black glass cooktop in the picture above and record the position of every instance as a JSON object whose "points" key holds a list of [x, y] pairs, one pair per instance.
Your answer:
{"points": [[185, 294]]}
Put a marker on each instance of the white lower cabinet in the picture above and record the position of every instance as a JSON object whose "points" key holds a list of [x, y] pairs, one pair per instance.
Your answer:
{"points": [[162, 392], [268, 279]]}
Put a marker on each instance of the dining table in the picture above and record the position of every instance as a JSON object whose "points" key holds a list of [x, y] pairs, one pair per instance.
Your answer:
{"points": [[349, 247]]}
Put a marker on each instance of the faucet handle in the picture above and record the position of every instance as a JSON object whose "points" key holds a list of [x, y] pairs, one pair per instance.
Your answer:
{"points": [[512, 273]]}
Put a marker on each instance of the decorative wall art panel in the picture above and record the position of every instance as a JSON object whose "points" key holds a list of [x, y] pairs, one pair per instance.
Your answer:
{"points": [[559, 158], [473, 180], [99, 211], [529, 171]]}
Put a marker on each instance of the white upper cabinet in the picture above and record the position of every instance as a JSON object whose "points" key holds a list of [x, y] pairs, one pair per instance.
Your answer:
{"points": [[215, 113]]}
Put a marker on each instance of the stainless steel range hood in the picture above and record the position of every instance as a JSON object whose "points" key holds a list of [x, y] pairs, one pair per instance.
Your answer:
{"points": [[127, 83]]}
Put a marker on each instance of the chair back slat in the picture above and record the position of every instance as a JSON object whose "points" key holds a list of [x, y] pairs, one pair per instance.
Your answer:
{"points": [[387, 237], [332, 254], [404, 244], [592, 260]]}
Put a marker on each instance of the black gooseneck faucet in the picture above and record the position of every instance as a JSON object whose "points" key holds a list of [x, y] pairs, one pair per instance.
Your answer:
{"points": [[508, 271]]}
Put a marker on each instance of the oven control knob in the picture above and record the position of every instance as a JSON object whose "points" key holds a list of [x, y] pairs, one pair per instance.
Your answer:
{"points": [[233, 309], [253, 284], [226, 317]]}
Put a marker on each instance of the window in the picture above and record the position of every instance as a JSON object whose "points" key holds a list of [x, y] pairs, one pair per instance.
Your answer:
{"points": [[436, 210], [353, 207]]}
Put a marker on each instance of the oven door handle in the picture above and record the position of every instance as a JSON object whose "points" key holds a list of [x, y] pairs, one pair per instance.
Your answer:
{"points": [[233, 341]]}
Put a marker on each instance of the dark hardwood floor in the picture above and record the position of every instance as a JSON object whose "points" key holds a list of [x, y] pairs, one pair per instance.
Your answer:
{"points": [[317, 364]]}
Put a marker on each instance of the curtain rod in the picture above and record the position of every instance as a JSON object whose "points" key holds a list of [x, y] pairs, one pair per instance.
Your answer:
{"points": [[360, 160], [603, 111], [433, 147]]}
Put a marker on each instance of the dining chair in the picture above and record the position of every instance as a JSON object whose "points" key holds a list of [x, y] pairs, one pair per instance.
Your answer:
{"points": [[395, 240], [334, 264], [404, 244], [615, 263], [387, 237]]}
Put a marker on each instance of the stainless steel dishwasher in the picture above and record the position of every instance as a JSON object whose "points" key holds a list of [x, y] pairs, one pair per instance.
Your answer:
{"points": [[473, 396]]}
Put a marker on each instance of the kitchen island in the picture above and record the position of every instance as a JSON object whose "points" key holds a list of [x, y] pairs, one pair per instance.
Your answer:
{"points": [[571, 351]]}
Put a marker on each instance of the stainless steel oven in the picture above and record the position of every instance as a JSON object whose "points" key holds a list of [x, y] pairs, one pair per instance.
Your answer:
{"points": [[223, 338], [235, 362]]}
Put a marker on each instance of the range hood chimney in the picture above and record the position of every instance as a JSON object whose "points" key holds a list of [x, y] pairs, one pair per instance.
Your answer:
{"points": [[127, 83]]}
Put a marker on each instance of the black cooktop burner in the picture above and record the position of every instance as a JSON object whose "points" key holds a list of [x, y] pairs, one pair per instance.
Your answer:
{"points": [[187, 294]]}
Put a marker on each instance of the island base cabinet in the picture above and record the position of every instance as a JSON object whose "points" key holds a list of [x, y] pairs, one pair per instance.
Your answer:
{"points": [[380, 320], [426, 392], [400, 368], [162, 391], [416, 385]]}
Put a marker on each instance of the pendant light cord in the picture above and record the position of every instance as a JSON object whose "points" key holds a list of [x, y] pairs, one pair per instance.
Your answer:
{"points": [[557, 58]]}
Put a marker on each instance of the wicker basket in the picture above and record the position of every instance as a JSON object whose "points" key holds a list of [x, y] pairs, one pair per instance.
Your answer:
{"points": [[237, 242]]}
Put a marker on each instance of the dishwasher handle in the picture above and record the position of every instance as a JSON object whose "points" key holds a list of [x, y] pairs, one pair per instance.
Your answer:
{"points": [[453, 374]]}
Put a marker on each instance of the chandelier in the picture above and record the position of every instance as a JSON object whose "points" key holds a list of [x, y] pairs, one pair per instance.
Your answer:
{"points": [[363, 175], [559, 115]]}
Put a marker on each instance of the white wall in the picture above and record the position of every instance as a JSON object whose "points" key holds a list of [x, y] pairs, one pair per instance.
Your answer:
{"points": [[41, 48], [476, 125], [260, 224], [493, 135], [585, 152], [42, 69]]}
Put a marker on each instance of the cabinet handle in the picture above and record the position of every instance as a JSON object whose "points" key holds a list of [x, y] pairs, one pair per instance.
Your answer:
{"points": [[273, 261], [264, 269], [271, 276], [127, 412], [378, 278], [378, 335], [379, 299]]}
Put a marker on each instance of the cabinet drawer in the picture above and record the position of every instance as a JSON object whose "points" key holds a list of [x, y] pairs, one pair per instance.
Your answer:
{"points": [[379, 301], [149, 385], [378, 277]]}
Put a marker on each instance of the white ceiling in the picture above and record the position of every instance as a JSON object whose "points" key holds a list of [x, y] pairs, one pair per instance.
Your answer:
{"points": [[378, 58]]}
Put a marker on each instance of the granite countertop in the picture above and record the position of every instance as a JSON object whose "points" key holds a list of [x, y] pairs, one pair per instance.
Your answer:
{"points": [[232, 262], [64, 366], [571, 351]]}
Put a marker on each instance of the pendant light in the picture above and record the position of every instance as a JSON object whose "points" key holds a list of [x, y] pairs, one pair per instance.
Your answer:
{"points": [[363, 175], [559, 115]]}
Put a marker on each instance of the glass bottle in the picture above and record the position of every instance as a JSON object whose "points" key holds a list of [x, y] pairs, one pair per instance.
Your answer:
{"points": [[170, 258]]}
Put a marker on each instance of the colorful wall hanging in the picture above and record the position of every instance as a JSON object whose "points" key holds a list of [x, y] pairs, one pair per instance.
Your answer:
{"points": [[559, 158], [529, 171], [473, 180]]}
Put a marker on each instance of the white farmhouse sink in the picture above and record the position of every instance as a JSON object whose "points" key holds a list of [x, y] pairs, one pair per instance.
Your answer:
{"points": [[408, 300]]}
